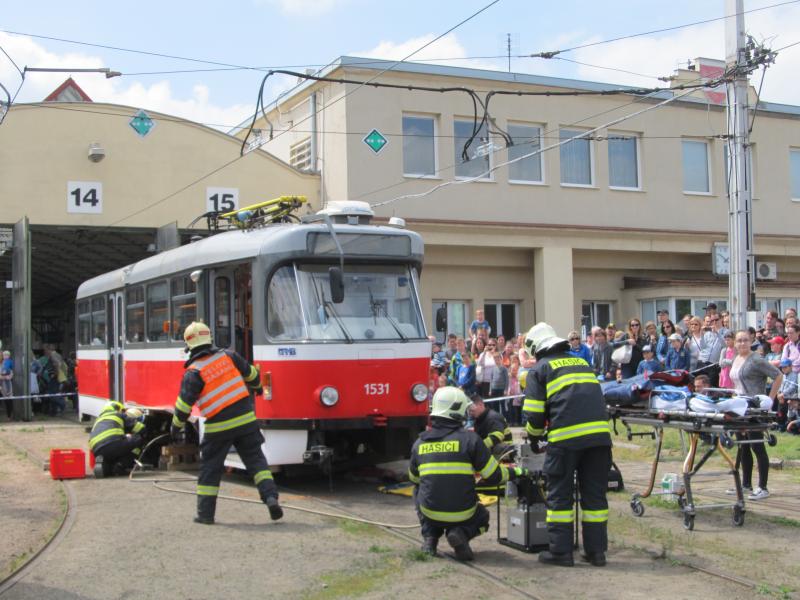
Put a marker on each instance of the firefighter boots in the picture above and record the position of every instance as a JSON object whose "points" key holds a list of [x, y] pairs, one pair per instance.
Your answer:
{"points": [[275, 510], [458, 539], [206, 507], [429, 545], [551, 558], [598, 559]]}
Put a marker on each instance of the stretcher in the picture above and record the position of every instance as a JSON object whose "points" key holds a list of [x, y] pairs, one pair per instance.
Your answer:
{"points": [[721, 430]]}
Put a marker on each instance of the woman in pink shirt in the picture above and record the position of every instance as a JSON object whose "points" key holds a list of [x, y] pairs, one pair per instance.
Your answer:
{"points": [[726, 360], [792, 348]]}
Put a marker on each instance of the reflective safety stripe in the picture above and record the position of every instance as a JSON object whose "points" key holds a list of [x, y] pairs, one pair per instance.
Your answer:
{"points": [[573, 431], [448, 517], [594, 516], [490, 468], [560, 516], [176, 421], [446, 468], [244, 419], [533, 430], [207, 490], [531, 405], [223, 384], [116, 432], [137, 427], [262, 475], [412, 478], [113, 417], [136, 451], [182, 406], [559, 383], [253, 374]]}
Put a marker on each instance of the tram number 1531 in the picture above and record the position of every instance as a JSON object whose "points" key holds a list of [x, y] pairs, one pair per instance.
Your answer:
{"points": [[376, 389]]}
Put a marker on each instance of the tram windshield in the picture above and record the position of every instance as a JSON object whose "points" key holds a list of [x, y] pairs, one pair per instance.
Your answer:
{"points": [[380, 303]]}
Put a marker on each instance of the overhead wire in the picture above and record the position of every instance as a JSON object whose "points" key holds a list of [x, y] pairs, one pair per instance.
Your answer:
{"points": [[237, 158]]}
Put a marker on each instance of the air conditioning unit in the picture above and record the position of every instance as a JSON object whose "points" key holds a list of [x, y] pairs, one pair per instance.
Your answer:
{"points": [[766, 271]]}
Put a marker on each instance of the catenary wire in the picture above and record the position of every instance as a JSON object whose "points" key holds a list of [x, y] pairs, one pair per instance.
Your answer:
{"points": [[216, 170], [553, 53], [16, 66]]}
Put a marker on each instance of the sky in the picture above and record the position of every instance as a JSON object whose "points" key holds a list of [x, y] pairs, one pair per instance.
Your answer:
{"points": [[307, 34]]}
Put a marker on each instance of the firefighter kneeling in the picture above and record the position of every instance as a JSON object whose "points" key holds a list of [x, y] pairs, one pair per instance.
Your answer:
{"points": [[562, 393], [444, 461], [116, 439]]}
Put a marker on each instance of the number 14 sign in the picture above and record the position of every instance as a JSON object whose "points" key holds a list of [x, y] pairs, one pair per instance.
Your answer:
{"points": [[85, 197]]}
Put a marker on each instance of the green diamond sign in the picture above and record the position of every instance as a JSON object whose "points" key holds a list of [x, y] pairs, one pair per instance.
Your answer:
{"points": [[142, 123], [375, 141]]}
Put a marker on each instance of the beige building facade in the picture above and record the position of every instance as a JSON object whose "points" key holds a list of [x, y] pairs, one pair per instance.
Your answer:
{"points": [[613, 226]]}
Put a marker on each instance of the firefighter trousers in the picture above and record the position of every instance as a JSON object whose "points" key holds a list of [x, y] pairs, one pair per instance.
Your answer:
{"points": [[473, 527], [118, 455], [214, 449], [592, 466]]}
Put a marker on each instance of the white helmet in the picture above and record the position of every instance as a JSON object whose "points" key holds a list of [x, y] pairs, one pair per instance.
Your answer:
{"points": [[134, 413], [541, 337], [449, 402], [197, 334]]}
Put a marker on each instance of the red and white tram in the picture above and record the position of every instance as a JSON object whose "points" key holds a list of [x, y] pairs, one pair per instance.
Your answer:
{"points": [[344, 374]]}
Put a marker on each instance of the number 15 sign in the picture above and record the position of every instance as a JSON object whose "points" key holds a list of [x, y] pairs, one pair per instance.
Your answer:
{"points": [[84, 197]]}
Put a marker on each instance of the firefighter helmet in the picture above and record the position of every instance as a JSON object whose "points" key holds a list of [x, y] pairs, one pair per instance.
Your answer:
{"points": [[540, 337], [450, 403], [112, 406], [134, 413], [197, 334]]}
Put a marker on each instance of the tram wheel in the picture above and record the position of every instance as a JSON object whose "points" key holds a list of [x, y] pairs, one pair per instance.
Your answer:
{"points": [[637, 507]]}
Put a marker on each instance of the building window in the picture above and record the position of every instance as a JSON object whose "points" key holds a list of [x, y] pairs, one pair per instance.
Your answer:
{"points": [[502, 317], [595, 313], [479, 150], [576, 159], [419, 146], [300, 155], [696, 179], [527, 139], [455, 314], [623, 162], [794, 172]]}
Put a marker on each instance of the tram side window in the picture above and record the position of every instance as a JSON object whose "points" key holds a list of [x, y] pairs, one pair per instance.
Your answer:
{"points": [[84, 323], [284, 313], [134, 314], [184, 304], [98, 322], [157, 312]]}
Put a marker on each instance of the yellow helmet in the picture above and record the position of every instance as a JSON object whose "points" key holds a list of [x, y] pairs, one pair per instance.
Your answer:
{"points": [[523, 379], [197, 334], [112, 406]]}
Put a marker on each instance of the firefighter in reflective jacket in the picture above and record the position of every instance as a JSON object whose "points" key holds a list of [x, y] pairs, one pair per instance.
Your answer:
{"points": [[492, 428], [444, 461], [218, 383], [564, 403], [116, 439]]}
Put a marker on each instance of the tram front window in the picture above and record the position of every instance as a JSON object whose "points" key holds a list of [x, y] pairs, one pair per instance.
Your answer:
{"points": [[379, 304]]}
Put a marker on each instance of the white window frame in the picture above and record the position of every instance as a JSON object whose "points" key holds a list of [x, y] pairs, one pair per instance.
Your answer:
{"points": [[490, 178], [435, 119], [593, 176], [593, 305], [707, 144], [638, 146], [436, 304], [541, 157], [793, 150]]}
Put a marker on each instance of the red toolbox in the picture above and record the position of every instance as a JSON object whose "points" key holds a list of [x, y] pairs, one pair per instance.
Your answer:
{"points": [[67, 463]]}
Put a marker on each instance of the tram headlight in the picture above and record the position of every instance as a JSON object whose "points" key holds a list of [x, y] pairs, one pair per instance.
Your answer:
{"points": [[329, 396], [419, 392]]}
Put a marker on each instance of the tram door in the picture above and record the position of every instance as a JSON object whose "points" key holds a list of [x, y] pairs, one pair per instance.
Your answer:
{"points": [[115, 332], [231, 310]]}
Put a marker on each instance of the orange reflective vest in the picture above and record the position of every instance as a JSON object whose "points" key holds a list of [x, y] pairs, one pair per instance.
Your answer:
{"points": [[224, 384]]}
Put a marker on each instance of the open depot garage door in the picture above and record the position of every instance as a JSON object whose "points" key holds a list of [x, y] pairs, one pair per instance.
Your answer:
{"points": [[61, 259]]}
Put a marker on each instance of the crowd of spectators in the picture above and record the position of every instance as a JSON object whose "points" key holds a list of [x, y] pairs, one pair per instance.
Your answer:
{"points": [[52, 381]]}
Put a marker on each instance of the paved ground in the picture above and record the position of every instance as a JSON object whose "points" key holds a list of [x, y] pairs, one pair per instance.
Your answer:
{"points": [[131, 540]]}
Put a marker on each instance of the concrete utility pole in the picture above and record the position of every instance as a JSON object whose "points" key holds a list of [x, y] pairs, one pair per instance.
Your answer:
{"points": [[741, 282]]}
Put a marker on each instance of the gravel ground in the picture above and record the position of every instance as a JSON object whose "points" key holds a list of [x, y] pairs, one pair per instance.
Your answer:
{"points": [[131, 540]]}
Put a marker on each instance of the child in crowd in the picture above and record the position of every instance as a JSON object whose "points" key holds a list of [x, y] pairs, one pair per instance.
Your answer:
{"points": [[649, 363], [787, 394], [499, 384], [480, 323], [513, 389], [466, 375], [438, 359], [726, 360], [678, 355]]}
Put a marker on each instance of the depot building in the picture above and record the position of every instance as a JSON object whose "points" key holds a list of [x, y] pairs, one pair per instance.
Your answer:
{"points": [[627, 221]]}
